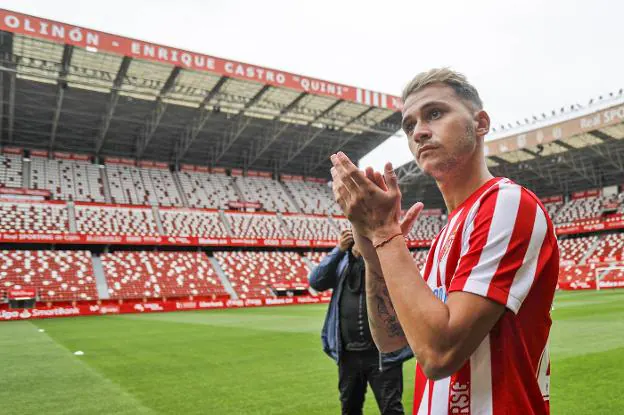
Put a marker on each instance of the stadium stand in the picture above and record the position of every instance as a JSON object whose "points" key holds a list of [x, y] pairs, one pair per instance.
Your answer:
{"points": [[188, 222], [552, 208], [572, 250], [426, 227], [115, 220], [33, 217], [585, 208], [610, 248], [341, 223], [613, 277], [253, 274], [310, 227], [576, 276], [250, 225], [312, 197], [420, 257], [56, 275], [267, 191], [207, 190], [142, 185], [316, 256], [160, 274], [11, 170], [67, 179]]}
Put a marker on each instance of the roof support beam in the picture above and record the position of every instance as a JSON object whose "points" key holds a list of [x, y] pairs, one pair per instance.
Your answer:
{"points": [[7, 87], [60, 92], [153, 119], [565, 145], [313, 132], [407, 173], [203, 115], [296, 151], [610, 157], [598, 149], [584, 170], [276, 134], [323, 157], [543, 173], [601, 135], [113, 98], [241, 124], [11, 107]]}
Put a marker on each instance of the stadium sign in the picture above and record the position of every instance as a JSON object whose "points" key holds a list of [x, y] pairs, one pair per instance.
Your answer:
{"points": [[96, 41], [152, 307], [21, 293], [565, 129]]}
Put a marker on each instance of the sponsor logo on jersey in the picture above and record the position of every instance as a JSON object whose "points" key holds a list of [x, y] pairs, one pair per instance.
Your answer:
{"points": [[440, 293]]}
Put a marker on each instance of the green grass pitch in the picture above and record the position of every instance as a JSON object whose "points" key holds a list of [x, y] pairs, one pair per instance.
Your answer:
{"points": [[258, 361]]}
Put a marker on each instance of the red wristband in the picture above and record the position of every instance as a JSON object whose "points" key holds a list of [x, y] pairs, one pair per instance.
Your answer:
{"points": [[385, 241]]}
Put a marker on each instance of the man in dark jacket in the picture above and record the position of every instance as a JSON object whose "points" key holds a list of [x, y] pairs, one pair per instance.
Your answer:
{"points": [[346, 335]]}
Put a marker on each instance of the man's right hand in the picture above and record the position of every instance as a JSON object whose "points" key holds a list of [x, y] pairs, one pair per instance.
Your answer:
{"points": [[407, 222], [346, 240]]}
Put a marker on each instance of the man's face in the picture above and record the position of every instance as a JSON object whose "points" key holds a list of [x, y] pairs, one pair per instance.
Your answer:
{"points": [[440, 128]]}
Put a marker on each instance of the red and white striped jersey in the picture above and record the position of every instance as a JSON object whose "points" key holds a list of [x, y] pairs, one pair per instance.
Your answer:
{"points": [[500, 244]]}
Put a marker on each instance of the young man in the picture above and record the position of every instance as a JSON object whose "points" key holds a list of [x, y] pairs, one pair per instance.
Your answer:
{"points": [[347, 338], [478, 318]]}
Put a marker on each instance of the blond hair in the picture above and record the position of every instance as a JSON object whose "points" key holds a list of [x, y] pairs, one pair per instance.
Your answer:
{"points": [[446, 76]]}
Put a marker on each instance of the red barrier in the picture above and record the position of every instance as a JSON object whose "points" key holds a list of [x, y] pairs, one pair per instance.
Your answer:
{"points": [[592, 225], [80, 239], [82, 309]]}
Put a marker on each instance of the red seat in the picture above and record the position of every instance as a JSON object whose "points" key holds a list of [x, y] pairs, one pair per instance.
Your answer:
{"points": [[160, 274], [252, 274], [57, 275]]}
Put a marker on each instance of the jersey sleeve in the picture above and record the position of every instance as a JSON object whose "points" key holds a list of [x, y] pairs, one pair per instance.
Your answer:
{"points": [[505, 245]]}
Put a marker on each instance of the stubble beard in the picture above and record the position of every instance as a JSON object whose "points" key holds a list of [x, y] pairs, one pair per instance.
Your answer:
{"points": [[450, 165]]}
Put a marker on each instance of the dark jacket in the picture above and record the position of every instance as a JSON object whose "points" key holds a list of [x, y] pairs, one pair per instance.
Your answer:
{"points": [[330, 273]]}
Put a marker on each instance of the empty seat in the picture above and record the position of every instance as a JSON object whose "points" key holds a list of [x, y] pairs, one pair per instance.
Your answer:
{"points": [[250, 225], [313, 197], [115, 221], [576, 276], [254, 274], [310, 227], [610, 248], [572, 250], [586, 208], [11, 170], [142, 185], [420, 258], [67, 179], [56, 275], [553, 208], [316, 257], [160, 274], [207, 190], [267, 191], [33, 217], [426, 228], [192, 223]]}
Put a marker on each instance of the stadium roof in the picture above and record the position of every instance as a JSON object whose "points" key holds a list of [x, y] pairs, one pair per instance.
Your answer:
{"points": [[68, 88], [579, 149]]}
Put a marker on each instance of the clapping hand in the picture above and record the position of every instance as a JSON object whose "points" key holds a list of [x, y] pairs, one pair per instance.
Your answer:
{"points": [[371, 201]]}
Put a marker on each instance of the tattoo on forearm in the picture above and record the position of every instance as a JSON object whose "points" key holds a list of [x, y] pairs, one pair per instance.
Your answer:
{"points": [[386, 314]]}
